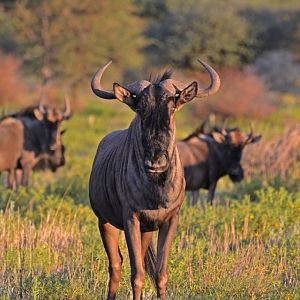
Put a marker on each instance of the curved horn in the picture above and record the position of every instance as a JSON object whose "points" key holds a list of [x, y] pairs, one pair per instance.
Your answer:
{"points": [[135, 87], [251, 128], [96, 84], [67, 112], [42, 100], [224, 131], [215, 81], [250, 134], [173, 85]]}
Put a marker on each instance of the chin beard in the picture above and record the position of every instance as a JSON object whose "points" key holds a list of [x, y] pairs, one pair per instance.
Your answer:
{"points": [[236, 178]]}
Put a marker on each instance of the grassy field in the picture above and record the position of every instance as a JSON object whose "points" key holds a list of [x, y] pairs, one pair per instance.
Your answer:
{"points": [[246, 247]]}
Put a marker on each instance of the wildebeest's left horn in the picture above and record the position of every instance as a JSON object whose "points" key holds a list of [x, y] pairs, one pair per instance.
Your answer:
{"points": [[97, 87], [67, 112], [215, 82], [250, 134]]}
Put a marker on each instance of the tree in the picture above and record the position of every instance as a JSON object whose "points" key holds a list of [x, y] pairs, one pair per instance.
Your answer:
{"points": [[210, 29], [68, 39]]}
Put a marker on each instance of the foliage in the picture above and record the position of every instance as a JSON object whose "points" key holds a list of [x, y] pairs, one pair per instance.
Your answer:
{"points": [[12, 87], [191, 28], [274, 26], [272, 63], [50, 51], [242, 94], [7, 42]]}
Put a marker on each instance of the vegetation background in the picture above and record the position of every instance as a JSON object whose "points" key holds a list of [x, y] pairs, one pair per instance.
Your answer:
{"points": [[248, 245]]}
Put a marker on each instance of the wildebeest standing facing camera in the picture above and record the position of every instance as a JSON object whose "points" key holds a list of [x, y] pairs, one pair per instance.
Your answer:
{"points": [[137, 183]]}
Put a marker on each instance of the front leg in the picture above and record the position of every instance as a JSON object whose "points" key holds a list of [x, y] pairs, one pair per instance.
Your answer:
{"points": [[134, 244], [165, 237], [211, 192]]}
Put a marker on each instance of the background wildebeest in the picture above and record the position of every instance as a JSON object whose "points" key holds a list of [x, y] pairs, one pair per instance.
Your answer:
{"points": [[11, 147], [206, 157], [42, 145], [137, 183]]}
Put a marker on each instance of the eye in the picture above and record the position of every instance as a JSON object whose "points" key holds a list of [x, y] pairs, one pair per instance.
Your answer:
{"points": [[133, 96], [173, 109], [177, 95]]}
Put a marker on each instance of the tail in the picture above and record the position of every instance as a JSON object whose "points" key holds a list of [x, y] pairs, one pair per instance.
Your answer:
{"points": [[150, 264]]}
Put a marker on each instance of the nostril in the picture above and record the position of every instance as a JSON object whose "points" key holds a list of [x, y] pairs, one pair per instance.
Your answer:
{"points": [[148, 163]]}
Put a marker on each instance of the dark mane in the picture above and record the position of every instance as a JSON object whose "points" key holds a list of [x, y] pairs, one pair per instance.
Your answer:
{"points": [[25, 112], [196, 132], [167, 74]]}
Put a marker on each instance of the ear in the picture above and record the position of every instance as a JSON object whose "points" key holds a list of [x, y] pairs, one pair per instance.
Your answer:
{"points": [[254, 139], [38, 114], [187, 94], [124, 95], [218, 137]]}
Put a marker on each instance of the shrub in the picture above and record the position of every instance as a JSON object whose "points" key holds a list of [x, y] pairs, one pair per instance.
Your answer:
{"points": [[12, 86], [242, 94]]}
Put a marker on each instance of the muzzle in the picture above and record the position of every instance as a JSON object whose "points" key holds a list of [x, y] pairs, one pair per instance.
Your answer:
{"points": [[236, 174], [158, 165]]}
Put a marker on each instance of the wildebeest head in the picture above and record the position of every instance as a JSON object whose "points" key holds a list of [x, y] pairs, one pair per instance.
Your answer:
{"points": [[52, 115], [55, 157], [51, 120], [155, 104], [233, 141]]}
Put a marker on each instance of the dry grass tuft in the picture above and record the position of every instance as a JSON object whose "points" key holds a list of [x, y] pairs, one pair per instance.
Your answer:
{"points": [[279, 156]]}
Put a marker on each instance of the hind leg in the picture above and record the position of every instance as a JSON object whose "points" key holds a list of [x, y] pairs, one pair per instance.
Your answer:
{"points": [[110, 239], [12, 183]]}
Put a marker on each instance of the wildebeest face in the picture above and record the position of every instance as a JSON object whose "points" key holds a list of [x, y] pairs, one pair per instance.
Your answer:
{"points": [[235, 170], [155, 107], [55, 157], [233, 142], [57, 152], [52, 115]]}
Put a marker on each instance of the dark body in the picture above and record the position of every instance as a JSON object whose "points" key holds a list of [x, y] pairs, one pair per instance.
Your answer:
{"points": [[119, 182], [42, 146], [137, 183], [208, 157]]}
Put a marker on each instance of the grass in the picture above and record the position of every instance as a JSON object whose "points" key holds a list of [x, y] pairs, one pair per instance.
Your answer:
{"points": [[246, 247]]}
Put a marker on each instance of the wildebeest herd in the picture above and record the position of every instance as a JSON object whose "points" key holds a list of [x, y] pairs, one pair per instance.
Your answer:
{"points": [[31, 139], [139, 174]]}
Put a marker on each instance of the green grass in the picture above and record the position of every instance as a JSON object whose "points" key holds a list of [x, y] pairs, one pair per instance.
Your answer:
{"points": [[246, 247]]}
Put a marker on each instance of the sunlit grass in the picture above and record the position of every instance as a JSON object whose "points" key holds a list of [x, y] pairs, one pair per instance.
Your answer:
{"points": [[246, 247]]}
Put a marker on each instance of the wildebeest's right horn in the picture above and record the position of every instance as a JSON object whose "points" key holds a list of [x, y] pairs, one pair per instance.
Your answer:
{"points": [[135, 87], [67, 112], [96, 84], [215, 82], [42, 100]]}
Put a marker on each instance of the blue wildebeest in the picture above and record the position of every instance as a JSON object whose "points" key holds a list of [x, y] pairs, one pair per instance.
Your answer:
{"points": [[137, 183], [206, 157], [11, 146], [42, 145]]}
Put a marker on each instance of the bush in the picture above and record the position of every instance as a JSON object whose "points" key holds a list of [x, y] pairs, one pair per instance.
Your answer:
{"points": [[242, 94], [187, 29], [12, 86]]}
